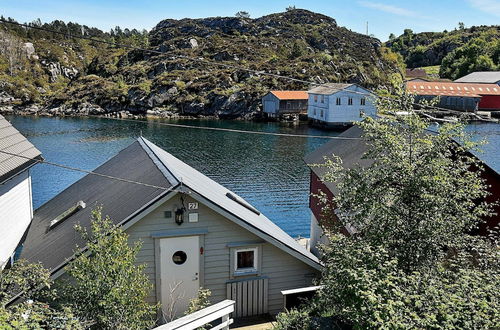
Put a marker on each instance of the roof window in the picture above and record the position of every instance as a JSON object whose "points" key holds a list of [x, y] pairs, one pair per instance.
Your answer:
{"points": [[66, 214]]}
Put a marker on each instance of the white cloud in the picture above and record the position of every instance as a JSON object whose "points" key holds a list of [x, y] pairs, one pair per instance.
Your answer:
{"points": [[488, 6], [393, 9]]}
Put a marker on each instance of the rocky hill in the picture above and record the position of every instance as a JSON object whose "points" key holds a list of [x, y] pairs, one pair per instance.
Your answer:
{"points": [[78, 76], [458, 52]]}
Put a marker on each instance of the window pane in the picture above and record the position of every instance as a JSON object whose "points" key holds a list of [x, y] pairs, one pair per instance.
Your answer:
{"points": [[244, 259]]}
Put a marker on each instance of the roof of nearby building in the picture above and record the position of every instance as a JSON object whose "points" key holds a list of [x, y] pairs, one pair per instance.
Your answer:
{"points": [[291, 95], [416, 73], [483, 77], [13, 142], [328, 89], [351, 152], [451, 89], [123, 202]]}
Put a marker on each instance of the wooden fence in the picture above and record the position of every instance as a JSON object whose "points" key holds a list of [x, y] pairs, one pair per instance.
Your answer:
{"points": [[250, 295]]}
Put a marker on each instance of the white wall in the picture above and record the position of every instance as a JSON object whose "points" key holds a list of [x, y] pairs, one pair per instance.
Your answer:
{"points": [[343, 113], [15, 213]]}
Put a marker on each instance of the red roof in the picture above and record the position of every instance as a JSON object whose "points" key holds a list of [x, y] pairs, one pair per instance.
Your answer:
{"points": [[291, 95], [451, 89]]}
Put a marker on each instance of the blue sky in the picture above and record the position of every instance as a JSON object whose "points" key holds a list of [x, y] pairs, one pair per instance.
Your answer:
{"points": [[384, 16]]}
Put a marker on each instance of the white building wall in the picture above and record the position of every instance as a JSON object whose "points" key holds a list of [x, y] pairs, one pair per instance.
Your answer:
{"points": [[317, 236], [343, 113], [16, 213]]}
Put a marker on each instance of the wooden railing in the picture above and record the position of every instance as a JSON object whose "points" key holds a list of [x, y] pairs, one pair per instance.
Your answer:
{"points": [[203, 317]]}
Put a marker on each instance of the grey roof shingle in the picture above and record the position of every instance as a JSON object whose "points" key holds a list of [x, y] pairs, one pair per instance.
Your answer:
{"points": [[328, 89], [350, 151], [118, 199], [13, 142], [484, 77], [144, 162]]}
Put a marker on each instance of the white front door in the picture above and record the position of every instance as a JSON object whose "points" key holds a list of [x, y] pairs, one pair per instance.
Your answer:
{"points": [[180, 270]]}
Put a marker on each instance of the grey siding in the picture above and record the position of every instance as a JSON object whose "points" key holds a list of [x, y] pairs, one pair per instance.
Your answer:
{"points": [[284, 271]]}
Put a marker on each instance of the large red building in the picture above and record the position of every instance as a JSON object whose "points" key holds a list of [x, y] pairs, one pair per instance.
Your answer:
{"points": [[468, 97], [352, 152]]}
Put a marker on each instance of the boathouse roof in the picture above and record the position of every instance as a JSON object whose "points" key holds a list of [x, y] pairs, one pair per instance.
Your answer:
{"points": [[291, 95], [482, 77], [54, 243], [13, 142]]}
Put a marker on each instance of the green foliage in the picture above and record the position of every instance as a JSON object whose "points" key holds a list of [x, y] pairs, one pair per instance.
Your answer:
{"points": [[479, 54], [105, 288], [413, 262], [293, 319], [33, 284], [431, 48], [297, 50], [200, 302]]}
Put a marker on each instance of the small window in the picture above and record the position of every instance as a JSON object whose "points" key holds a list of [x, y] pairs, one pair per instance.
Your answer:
{"points": [[338, 101], [322, 99], [321, 113], [363, 101], [179, 257], [314, 111], [349, 102], [315, 98], [245, 261]]}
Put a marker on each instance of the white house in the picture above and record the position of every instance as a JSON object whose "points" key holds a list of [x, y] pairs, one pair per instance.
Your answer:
{"points": [[195, 233], [337, 105], [16, 210]]}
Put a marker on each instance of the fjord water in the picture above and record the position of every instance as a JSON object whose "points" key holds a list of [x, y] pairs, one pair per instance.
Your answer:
{"points": [[268, 171]]}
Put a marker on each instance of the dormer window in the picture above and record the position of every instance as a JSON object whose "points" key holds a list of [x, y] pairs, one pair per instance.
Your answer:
{"points": [[66, 214]]}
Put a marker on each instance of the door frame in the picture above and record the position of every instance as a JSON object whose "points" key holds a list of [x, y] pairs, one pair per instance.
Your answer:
{"points": [[200, 232]]}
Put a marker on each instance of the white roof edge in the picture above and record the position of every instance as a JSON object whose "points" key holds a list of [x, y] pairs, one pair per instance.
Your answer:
{"points": [[295, 248]]}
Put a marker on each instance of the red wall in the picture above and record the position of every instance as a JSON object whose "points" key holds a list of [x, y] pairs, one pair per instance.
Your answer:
{"points": [[493, 181], [490, 102]]}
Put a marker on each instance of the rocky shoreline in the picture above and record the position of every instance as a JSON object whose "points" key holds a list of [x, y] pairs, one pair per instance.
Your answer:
{"points": [[12, 106]]}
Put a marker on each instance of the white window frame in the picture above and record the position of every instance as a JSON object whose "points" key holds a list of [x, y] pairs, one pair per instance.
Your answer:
{"points": [[248, 270]]}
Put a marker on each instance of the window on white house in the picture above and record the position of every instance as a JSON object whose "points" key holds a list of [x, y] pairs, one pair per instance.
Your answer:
{"points": [[322, 99], [314, 111], [363, 101], [349, 102], [245, 261], [315, 98], [321, 113], [338, 101]]}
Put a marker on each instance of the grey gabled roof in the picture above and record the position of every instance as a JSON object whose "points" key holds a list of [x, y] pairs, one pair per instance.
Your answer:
{"points": [[351, 151], [13, 142], [118, 199], [218, 195], [485, 77], [328, 89], [143, 162]]}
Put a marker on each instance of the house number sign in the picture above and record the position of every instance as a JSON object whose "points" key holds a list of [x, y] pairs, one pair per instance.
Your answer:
{"points": [[192, 206]]}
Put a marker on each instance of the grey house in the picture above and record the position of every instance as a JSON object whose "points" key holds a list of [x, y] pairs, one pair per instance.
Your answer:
{"points": [[195, 233], [278, 103], [481, 77]]}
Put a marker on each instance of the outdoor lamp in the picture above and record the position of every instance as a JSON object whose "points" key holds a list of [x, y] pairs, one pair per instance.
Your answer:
{"points": [[179, 218]]}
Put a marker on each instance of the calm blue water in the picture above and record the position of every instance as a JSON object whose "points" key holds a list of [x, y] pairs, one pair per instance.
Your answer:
{"points": [[268, 171]]}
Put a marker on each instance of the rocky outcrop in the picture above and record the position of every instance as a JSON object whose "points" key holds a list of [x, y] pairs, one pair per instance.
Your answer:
{"points": [[297, 43]]}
